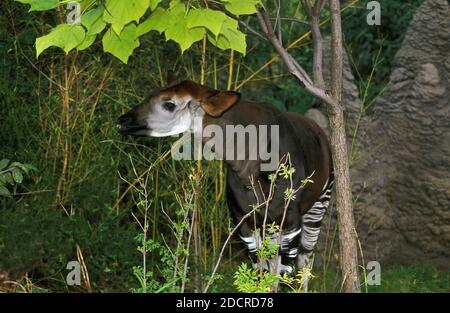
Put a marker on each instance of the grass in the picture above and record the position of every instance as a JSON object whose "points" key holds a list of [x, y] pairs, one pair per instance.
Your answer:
{"points": [[413, 278], [416, 278], [395, 279]]}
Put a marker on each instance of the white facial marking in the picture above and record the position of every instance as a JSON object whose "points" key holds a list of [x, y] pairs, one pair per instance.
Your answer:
{"points": [[163, 123], [182, 124]]}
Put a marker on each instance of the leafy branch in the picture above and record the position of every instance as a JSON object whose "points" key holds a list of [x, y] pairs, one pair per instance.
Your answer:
{"points": [[11, 174], [122, 23]]}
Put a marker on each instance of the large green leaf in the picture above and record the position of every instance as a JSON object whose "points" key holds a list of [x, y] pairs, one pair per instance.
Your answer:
{"points": [[86, 4], [185, 37], [236, 39], [173, 23], [177, 10], [178, 30], [64, 36], [211, 19], [154, 4], [93, 20], [40, 5], [241, 7], [88, 41], [230, 37], [159, 20], [123, 45], [121, 12]]}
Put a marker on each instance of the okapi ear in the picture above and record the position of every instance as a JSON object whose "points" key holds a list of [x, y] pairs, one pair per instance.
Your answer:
{"points": [[219, 102], [171, 78]]}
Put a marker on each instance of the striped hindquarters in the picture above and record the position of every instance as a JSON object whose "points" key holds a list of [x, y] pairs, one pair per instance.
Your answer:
{"points": [[312, 219]]}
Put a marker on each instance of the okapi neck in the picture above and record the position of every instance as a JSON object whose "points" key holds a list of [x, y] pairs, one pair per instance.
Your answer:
{"points": [[234, 116]]}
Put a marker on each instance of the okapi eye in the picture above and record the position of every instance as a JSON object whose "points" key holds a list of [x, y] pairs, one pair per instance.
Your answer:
{"points": [[169, 106]]}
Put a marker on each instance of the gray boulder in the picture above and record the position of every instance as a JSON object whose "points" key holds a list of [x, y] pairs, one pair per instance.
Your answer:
{"points": [[401, 176]]}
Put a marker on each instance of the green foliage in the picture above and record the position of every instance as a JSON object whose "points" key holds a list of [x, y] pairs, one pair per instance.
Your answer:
{"points": [[184, 24], [229, 37], [416, 277], [286, 171], [11, 174], [154, 4], [64, 36], [295, 283], [121, 13], [239, 7], [176, 28], [41, 243], [150, 282], [267, 250], [123, 45], [254, 280], [286, 94], [210, 19], [413, 278], [92, 20], [40, 5]]}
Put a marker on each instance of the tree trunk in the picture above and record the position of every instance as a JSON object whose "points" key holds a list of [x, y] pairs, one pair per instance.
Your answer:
{"points": [[347, 232]]}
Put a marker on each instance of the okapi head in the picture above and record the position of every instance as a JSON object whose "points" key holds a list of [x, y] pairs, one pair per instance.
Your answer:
{"points": [[171, 111]]}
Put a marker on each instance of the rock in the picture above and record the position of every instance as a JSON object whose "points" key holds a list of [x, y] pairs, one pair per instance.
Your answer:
{"points": [[401, 168], [408, 138], [428, 82], [320, 118]]}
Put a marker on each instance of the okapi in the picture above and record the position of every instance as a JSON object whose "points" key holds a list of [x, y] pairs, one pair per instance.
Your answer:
{"points": [[172, 111]]}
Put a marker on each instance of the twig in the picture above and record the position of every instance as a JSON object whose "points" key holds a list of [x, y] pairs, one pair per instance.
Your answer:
{"points": [[31, 192], [292, 19], [247, 215], [252, 30], [277, 26], [314, 21], [191, 230]]}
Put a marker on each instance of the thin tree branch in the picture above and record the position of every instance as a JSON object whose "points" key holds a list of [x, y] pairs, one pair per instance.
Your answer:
{"points": [[336, 51], [314, 21], [292, 19], [307, 6], [277, 26], [266, 27], [320, 4], [211, 279], [293, 67], [252, 30]]}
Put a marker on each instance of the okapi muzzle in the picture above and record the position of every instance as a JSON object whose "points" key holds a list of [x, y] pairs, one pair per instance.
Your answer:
{"points": [[172, 111]]}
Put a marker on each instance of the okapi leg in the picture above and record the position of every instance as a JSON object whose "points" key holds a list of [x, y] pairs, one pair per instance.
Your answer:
{"points": [[289, 250], [283, 263], [311, 222], [253, 242]]}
